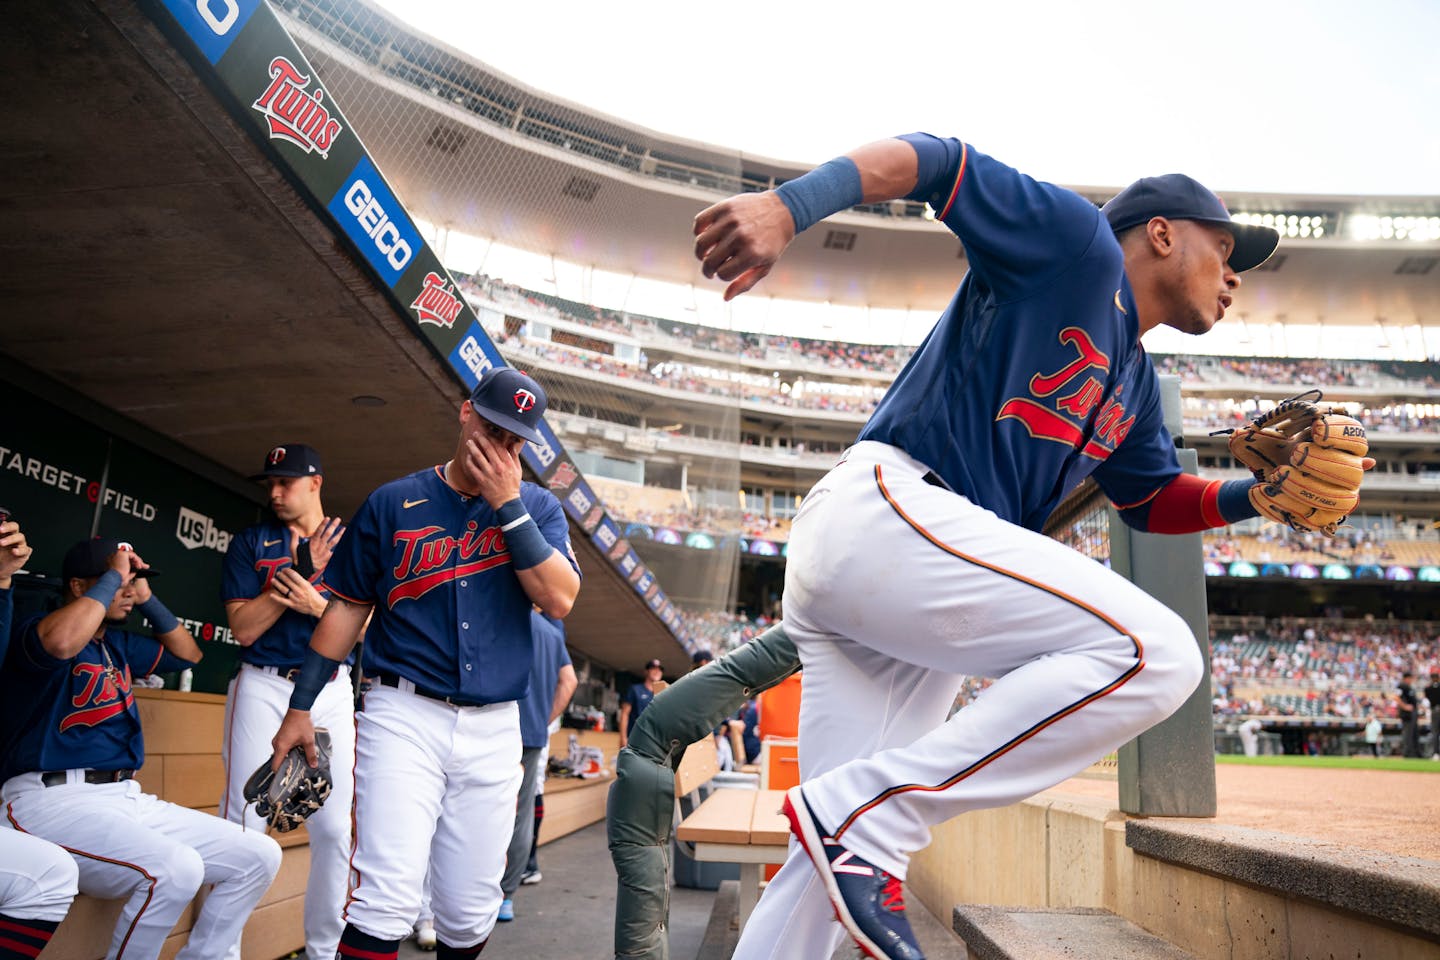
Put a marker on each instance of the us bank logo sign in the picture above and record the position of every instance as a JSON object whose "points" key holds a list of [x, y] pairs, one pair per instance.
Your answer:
{"points": [[374, 221], [195, 530]]}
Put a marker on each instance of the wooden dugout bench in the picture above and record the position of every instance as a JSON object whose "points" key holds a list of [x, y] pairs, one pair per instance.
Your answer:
{"points": [[733, 824], [183, 732]]}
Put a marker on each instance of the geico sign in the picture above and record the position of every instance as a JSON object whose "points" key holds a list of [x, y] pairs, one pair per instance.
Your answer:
{"points": [[196, 530], [376, 224], [219, 15]]}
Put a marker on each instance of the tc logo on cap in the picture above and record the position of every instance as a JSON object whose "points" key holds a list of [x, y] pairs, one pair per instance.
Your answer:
{"points": [[275, 456], [524, 400]]}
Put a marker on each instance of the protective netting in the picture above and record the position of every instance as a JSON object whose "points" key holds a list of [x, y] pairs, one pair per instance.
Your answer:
{"points": [[504, 183]]}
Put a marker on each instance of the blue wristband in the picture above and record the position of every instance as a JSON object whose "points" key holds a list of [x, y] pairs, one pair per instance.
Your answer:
{"points": [[159, 615], [1233, 501], [528, 546], [315, 672], [829, 188], [104, 590]]}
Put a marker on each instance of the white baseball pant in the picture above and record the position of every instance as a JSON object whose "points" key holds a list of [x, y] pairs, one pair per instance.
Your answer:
{"points": [[37, 879], [257, 701], [895, 590], [154, 855], [435, 787]]}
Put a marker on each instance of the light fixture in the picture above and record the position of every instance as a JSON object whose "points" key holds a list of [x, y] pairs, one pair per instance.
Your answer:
{"points": [[368, 400]]}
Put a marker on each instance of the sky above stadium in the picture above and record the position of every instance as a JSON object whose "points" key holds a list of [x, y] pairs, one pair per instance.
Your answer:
{"points": [[1325, 96]]}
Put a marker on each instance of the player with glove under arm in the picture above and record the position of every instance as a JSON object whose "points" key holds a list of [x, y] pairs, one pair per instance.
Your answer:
{"points": [[450, 559], [918, 559]]}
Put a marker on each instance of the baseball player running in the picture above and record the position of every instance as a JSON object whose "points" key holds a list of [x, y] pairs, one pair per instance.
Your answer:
{"points": [[37, 879], [918, 559], [450, 559], [273, 601], [68, 714]]}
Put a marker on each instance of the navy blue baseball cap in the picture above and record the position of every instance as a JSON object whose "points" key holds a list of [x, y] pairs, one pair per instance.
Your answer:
{"points": [[291, 460], [512, 400], [1178, 197], [91, 558]]}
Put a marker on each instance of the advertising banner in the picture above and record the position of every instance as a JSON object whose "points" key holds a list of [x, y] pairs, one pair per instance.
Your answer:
{"points": [[242, 46], [65, 480]]}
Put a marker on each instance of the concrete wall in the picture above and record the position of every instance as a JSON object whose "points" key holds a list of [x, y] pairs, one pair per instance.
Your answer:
{"points": [[1055, 850]]}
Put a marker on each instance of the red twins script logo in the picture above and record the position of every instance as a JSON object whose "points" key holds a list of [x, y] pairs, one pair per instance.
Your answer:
{"points": [[1063, 418], [437, 302], [106, 694], [294, 114], [424, 558]]}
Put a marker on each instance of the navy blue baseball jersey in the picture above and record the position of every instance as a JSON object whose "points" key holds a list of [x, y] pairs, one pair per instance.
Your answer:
{"points": [[1033, 378], [60, 714], [639, 697], [550, 656], [255, 556], [7, 607], [450, 615]]}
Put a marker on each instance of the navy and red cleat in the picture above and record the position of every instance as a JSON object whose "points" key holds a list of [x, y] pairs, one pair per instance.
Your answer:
{"points": [[868, 901]]}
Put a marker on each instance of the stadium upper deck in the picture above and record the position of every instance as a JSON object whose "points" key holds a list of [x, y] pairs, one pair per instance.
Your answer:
{"points": [[476, 152]]}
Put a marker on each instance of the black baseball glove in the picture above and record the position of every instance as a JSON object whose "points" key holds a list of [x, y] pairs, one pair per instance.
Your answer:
{"points": [[286, 797]]}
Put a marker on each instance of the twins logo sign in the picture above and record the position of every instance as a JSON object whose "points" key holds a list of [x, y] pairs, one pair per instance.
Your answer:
{"points": [[437, 302], [295, 114]]}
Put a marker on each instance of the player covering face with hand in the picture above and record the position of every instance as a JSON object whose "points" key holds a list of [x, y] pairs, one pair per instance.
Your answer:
{"points": [[917, 560], [450, 559]]}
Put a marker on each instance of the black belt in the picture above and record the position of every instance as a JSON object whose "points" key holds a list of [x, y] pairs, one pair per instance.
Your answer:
{"points": [[58, 778], [392, 680], [290, 674]]}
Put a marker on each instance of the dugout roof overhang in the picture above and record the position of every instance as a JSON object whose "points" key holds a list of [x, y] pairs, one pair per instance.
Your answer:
{"points": [[158, 263]]}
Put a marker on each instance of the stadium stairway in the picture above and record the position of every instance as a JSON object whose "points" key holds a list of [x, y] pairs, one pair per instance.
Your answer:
{"points": [[1083, 881]]}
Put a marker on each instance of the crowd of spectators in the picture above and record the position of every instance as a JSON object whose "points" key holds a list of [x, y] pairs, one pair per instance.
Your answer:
{"points": [[721, 631], [1397, 539], [791, 351], [1331, 668], [794, 354], [1345, 669], [1207, 413]]}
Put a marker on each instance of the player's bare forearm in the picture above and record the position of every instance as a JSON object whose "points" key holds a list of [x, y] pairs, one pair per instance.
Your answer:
{"points": [[65, 632], [888, 169], [740, 239], [249, 619], [339, 628], [565, 686], [181, 643], [551, 585]]}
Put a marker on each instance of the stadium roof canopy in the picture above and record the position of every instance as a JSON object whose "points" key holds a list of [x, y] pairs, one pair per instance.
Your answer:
{"points": [[160, 265]]}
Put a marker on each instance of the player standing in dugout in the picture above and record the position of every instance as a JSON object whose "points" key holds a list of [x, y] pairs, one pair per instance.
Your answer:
{"points": [[450, 559], [918, 558]]}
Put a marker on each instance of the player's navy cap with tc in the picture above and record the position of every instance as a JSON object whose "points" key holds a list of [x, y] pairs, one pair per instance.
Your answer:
{"points": [[91, 558], [1178, 197], [291, 460], [510, 399], [653, 663]]}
